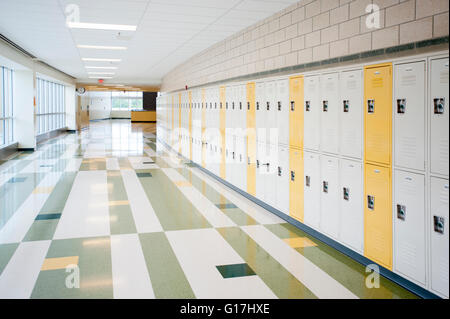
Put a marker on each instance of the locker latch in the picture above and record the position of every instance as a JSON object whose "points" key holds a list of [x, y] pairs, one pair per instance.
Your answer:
{"points": [[308, 106], [268, 106], [232, 105], [346, 192], [249, 160], [257, 106], [233, 155], [438, 224], [370, 202], [346, 106], [325, 187], [325, 106], [226, 105], [292, 105], [308, 180], [248, 105], [292, 176], [401, 106], [215, 105], [240, 106], [240, 157], [257, 163], [439, 105], [370, 106], [279, 171], [226, 152], [401, 212], [279, 105]]}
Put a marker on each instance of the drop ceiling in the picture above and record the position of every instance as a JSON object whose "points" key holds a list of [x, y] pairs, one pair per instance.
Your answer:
{"points": [[168, 32]]}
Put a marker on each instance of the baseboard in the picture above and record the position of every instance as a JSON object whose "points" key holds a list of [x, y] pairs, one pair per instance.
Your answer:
{"points": [[7, 151], [403, 282]]}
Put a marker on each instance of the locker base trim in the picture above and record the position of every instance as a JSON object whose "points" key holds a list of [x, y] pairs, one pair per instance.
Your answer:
{"points": [[396, 278]]}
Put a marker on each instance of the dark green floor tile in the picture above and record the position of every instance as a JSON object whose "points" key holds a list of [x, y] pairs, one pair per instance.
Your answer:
{"points": [[236, 270], [167, 276], [41, 230]]}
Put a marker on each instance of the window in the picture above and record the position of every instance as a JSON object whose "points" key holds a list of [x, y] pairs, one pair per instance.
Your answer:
{"points": [[6, 106], [51, 106], [126, 101]]}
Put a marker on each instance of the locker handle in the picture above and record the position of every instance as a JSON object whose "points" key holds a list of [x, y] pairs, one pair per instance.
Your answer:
{"points": [[268, 106], [292, 105], [232, 105], [325, 186], [346, 106], [257, 106], [307, 106], [279, 105], [292, 176], [257, 163], [226, 105], [346, 193], [439, 224], [279, 171], [401, 212], [325, 106], [240, 106], [370, 106], [439, 104], [370, 202], [401, 106], [308, 180], [248, 105]]}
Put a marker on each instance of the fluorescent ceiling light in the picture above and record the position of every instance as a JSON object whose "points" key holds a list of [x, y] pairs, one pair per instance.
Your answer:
{"points": [[100, 77], [109, 73], [101, 60], [102, 67], [101, 26], [100, 47]]}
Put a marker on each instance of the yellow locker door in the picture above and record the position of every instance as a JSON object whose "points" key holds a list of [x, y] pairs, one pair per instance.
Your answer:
{"points": [[378, 113], [222, 124], [296, 97], [190, 124], [296, 184], [203, 127], [378, 214], [251, 139]]}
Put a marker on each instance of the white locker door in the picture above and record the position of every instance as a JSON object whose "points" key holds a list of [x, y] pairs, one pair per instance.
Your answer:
{"points": [[409, 225], [241, 159], [409, 115], [271, 167], [260, 113], [243, 107], [351, 205], [311, 111], [312, 189], [234, 164], [351, 105], [271, 113], [282, 107], [439, 116], [260, 170], [439, 235], [228, 156], [329, 195], [282, 198], [329, 109]]}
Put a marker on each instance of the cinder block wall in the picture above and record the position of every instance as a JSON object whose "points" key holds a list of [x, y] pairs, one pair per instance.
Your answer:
{"points": [[309, 31]]}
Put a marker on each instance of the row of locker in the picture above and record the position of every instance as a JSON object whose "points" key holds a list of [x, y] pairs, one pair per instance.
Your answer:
{"points": [[395, 106], [333, 114]]}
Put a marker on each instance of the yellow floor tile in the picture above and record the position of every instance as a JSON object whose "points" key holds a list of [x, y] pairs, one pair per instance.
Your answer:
{"points": [[119, 203], [43, 190], [299, 242], [183, 184], [59, 263]]}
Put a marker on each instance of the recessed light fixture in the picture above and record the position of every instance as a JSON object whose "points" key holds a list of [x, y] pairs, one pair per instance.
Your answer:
{"points": [[100, 47], [101, 26], [102, 67], [100, 77], [106, 73], [101, 60]]}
